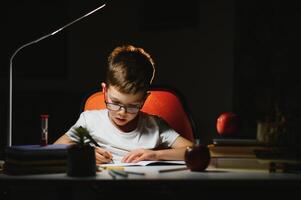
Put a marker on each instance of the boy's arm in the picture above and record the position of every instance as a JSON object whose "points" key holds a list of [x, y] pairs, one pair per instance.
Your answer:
{"points": [[64, 139], [176, 152], [181, 142], [101, 155]]}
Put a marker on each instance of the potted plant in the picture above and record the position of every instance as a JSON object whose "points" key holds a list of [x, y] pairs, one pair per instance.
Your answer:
{"points": [[81, 156]]}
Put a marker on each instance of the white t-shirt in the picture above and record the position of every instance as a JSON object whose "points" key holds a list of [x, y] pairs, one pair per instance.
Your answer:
{"points": [[152, 132]]}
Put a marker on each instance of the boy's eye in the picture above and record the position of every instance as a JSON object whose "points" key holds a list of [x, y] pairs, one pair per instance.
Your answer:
{"points": [[115, 102], [129, 106]]}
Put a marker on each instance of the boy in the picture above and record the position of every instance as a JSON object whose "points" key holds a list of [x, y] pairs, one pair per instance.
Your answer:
{"points": [[122, 130]]}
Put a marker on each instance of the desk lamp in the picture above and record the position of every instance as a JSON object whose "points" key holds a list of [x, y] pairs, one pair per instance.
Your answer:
{"points": [[9, 137]]}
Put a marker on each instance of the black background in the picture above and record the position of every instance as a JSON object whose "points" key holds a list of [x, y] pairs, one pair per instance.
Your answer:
{"points": [[222, 55]]}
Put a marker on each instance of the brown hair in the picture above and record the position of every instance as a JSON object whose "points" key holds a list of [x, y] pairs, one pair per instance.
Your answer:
{"points": [[130, 69]]}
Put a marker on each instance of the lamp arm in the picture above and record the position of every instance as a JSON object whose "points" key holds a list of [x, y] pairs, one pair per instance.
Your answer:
{"points": [[9, 136]]}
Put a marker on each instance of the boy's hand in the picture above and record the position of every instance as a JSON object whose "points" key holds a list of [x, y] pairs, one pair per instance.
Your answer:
{"points": [[102, 156], [139, 155]]}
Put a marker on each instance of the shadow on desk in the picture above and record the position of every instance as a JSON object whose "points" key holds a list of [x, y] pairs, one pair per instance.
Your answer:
{"points": [[153, 190], [211, 186]]}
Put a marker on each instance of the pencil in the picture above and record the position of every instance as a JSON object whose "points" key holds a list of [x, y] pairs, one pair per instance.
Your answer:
{"points": [[172, 170], [112, 167]]}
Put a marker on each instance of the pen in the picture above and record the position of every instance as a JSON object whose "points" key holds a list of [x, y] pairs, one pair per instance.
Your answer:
{"points": [[92, 140], [172, 170], [119, 172], [135, 173], [96, 144], [112, 174]]}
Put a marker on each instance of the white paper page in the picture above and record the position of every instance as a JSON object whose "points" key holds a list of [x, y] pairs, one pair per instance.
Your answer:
{"points": [[144, 163]]}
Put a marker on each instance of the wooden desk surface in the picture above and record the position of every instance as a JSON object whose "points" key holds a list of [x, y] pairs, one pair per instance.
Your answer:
{"points": [[152, 173], [176, 185]]}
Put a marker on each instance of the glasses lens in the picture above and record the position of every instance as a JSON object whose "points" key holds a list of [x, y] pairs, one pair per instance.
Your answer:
{"points": [[112, 106], [132, 109]]}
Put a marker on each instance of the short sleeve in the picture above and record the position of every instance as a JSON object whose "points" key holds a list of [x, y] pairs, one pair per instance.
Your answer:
{"points": [[80, 122], [167, 134]]}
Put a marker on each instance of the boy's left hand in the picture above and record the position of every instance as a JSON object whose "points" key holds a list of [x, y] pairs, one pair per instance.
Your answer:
{"points": [[139, 155]]}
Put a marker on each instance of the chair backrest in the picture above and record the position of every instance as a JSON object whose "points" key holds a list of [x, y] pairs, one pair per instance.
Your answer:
{"points": [[164, 102]]}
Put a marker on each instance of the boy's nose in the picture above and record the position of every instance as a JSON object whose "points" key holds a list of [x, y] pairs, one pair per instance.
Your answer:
{"points": [[122, 110]]}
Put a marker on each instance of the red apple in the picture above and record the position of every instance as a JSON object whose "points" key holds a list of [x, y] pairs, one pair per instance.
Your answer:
{"points": [[197, 158], [227, 123]]}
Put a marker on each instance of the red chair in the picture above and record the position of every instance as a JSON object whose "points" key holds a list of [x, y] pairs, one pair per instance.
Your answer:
{"points": [[164, 102]]}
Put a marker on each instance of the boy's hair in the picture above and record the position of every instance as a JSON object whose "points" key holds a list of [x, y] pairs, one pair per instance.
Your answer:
{"points": [[130, 69]]}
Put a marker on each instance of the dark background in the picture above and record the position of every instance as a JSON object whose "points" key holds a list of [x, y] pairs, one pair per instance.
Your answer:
{"points": [[238, 56]]}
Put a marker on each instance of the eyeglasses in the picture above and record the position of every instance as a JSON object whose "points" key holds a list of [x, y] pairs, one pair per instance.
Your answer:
{"points": [[128, 109]]}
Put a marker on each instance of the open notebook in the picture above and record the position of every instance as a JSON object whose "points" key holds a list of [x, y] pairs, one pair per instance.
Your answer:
{"points": [[118, 154], [144, 163]]}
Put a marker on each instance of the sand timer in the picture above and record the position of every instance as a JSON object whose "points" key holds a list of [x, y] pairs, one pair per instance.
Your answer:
{"points": [[44, 129]]}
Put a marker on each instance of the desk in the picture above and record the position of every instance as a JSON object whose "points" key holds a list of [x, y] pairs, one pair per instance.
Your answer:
{"points": [[213, 184]]}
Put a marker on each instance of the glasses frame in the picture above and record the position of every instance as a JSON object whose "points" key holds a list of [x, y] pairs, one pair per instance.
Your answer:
{"points": [[126, 108]]}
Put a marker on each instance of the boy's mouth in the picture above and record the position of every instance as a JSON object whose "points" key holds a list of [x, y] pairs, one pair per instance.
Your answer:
{"points": [[120, 119]]}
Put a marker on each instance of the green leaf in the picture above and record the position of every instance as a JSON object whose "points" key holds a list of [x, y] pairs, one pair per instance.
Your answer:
{"points": [[83, 134]]}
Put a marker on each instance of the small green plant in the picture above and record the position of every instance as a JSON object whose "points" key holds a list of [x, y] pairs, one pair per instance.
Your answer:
{"points": [[84, 137], [81, 157]]}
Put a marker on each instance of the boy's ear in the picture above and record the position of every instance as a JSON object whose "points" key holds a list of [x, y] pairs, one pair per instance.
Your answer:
{"points": [[104, 86]]}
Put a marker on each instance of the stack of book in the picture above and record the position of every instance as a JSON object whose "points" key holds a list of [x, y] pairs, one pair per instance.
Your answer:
{"points": [[35, 159], [236, 153], [283, 159]]}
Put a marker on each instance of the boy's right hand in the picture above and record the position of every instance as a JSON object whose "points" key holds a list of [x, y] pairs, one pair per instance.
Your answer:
{"points": [[102, 156]]}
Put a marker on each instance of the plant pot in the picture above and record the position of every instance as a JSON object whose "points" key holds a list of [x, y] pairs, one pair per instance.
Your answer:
{"points": [[81, 161]]}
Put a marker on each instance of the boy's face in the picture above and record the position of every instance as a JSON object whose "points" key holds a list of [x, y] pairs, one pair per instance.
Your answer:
{"points": [[123, 108]]}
